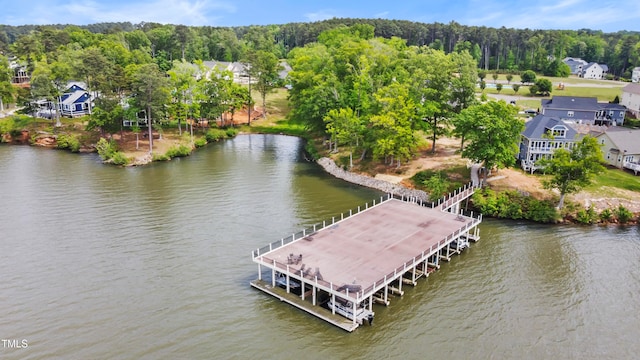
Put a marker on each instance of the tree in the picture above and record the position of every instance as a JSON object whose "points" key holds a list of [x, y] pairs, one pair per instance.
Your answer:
{"points": [[150, 92], [482, 74], [263, 66], [542, 86], [515, 88], [499, 87], [571, 170], [7, 90], [528, 77], [345, 127], [509, 78], [493, 133], [182, 79], [437, 186], [495, 77]]}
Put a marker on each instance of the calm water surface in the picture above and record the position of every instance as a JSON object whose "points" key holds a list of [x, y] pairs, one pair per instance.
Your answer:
{"points": [[98, 262]]}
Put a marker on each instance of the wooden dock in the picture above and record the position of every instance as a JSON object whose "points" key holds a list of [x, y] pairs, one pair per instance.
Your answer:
{"points": [[366, 255]]}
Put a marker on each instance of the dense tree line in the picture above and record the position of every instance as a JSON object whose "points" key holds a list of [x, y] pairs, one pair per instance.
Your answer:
{"points": [[503, 49]]}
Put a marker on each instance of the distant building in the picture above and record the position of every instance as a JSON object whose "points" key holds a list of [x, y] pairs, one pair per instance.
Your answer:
{"points": [[587, 70], [583, 110], [635, 74], [631, 98]]}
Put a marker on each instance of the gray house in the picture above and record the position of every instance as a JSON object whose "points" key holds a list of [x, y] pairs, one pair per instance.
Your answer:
{"points": [[621, 148], [583, 110], [541, 137]]}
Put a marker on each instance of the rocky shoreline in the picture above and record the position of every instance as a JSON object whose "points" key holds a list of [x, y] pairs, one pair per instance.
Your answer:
{"points": [[330, 166]]}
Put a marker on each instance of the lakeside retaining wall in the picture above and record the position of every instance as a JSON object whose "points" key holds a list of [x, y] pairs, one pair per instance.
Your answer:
{"points": [[384, 186]]}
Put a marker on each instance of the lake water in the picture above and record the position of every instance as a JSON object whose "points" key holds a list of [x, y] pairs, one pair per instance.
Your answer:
{"points": [[99, 262]]}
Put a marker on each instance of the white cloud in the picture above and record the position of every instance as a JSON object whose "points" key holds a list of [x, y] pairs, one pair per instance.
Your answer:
{"points": [[381, 15]]}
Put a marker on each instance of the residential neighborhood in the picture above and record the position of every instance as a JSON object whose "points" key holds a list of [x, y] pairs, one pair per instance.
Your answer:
{"points": [[587, 70]]}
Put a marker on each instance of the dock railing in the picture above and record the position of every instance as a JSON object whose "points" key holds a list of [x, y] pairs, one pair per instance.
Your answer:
{"points": [[452, 198]]}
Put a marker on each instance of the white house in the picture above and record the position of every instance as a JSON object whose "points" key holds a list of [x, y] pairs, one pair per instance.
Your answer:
{"points": [[635, 74], [592, 71], [631, 98]]}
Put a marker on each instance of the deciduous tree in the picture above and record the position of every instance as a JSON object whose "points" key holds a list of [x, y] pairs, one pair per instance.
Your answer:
{"points": [[573, 169]]}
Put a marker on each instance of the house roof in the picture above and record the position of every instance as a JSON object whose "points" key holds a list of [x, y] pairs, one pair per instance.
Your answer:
{"points": [[571, 103], [578, 103], [633, 88], [604, 67], [625, 139], [539, 125], [74, 97], [591, 64], [79, 84]]}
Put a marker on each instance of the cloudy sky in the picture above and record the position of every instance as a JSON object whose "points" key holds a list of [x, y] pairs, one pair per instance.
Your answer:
{"points": [[609, 16]]}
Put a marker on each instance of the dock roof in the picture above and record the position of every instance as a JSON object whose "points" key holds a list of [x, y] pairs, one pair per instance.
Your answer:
{"points": [[364, 248]]}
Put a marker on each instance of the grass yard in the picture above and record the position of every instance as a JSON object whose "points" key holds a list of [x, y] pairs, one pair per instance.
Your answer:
{"points": [[615, 178]]}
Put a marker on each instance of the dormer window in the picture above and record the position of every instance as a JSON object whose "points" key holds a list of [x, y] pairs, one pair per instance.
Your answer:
{"points": [[569, 113], [558, 131]]}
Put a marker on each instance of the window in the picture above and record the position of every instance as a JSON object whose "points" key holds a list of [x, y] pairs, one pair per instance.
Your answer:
{"points": [[608, 155], [602, 142], [570, 113]]}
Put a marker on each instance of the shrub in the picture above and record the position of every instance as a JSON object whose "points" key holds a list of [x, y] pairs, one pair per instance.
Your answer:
{"points": [[161, 157], [215, 135], [514, 205], [106, 148], [178, 151], [231, 132], [200, 142], [587, 216], [119, 158], [70, 142], [623, 214], [606, 215]]}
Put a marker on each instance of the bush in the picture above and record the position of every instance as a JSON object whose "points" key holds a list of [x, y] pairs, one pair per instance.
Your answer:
{"points": [[231, 132], [161, 157], [215, 135], [587, 216], [178, 151], [514, 205], [623, 214], [70, 142], [119, 158], [200, 142], [606, 215], [106, 148]]}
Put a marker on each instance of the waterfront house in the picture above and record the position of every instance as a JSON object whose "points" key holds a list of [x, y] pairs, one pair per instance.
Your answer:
{"points": [[541, 137], [621, 148], [75, 101], [631, 98], [583, 110]]}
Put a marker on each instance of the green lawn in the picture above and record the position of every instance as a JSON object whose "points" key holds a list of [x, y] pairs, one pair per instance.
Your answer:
{"points": [[616, 179]]}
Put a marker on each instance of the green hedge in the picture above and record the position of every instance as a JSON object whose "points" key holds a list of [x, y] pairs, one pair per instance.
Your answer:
{"points": [[514, 205]]}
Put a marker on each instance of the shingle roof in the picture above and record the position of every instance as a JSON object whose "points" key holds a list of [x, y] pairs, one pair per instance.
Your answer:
{"points": [[539, 125], [632, 88], [625, 139], [578, 103], [571, 103]]}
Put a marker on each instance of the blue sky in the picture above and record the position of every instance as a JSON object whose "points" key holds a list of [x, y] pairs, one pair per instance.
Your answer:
{"points": [[609, 16]]}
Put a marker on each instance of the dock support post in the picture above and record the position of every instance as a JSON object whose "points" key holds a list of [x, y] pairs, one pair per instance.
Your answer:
{"points": [[288, 279], [259, 272]]}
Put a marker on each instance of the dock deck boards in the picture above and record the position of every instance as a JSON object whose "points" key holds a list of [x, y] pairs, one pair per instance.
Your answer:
{"points": [[362, 249]]}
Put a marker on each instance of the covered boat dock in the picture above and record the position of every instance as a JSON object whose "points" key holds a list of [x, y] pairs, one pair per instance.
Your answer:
{"points": [[364, 255]]}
